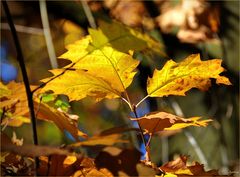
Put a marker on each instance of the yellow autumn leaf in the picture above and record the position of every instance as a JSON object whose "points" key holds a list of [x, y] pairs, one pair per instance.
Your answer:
{"points": [[123, 38], [16, 103], [69, 160], [15, 121], [99, 73], [79, 84], [177, 78], [159, 121], [4, 91], [102, 63], [18, 112]]}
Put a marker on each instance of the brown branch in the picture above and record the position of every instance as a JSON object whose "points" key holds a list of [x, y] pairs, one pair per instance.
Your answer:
{"points": [[25, 77]]}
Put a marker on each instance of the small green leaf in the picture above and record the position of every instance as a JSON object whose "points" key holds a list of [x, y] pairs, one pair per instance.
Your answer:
{"points": [[48, 97], [62, 104]]}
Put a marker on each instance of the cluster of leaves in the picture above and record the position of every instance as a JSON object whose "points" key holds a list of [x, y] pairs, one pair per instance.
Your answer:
{"points": [[103, 67]]}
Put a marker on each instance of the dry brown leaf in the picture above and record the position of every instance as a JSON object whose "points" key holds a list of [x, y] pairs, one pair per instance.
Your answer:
{"points": [[130, 12], [179, 167], [159, 121], [197, 20], [29, 150], [118, 161], [105, 140], [62, 120]]}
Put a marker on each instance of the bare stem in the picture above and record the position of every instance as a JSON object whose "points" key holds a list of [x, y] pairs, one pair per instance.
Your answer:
{"points": [[141, 130], [142, 100], [126, 101], [25, 77]]}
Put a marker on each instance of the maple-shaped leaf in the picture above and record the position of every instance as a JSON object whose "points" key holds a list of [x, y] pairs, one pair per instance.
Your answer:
{"points": [[100, 73], [101, 67], [177, 78], [158, 121]]}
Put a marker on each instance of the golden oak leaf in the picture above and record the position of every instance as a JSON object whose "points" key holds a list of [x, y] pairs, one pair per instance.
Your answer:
{"points": [[101, 67], [158, 121], [100, 73], [177, 78]]}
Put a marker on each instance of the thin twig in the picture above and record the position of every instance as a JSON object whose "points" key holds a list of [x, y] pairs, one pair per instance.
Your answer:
{"points": [[23, 29], [89, 14], [47, 34], [126, 101], [142, 100], [141, 130], [25, 77]]}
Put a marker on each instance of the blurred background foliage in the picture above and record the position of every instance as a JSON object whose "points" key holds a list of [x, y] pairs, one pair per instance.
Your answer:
{"points": [[183, 27]]}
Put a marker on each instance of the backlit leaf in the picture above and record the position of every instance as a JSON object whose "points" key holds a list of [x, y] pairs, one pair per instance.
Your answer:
{"points": [[158, 121], [101, 67], [177, 78], [100, 73], [79, 84], [123, 38], [4, 91], [15, 105]]}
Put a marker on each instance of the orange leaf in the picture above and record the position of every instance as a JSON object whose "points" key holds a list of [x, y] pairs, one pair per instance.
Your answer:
{"points": [[106, 140], [179, 167], [17, 103], [62, 120], [158, 121]]}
